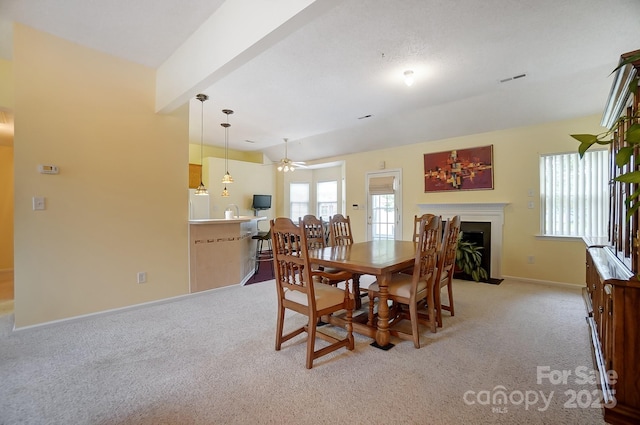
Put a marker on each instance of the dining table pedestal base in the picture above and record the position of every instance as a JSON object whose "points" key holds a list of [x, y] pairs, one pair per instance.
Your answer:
{"points": [[382, 347]]}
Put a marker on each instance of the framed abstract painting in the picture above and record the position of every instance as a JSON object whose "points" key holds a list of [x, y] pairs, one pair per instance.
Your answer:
{"points": [[460, 169]]}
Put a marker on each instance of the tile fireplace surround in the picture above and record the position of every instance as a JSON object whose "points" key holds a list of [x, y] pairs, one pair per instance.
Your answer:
{"points": [[481, 212]]}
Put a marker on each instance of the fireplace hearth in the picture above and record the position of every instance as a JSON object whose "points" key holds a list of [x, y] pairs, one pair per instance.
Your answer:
{"points": [[489, 213]]}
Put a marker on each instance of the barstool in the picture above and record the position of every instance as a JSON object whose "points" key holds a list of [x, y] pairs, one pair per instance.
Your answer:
{"points": [[262, 255]]}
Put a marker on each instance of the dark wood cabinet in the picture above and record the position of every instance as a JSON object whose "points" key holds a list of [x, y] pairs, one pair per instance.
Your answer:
{"points": [[612, 296], [612, 292], [194, 175]]}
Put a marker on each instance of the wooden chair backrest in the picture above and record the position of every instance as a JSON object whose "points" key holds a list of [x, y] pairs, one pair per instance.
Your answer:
{"points": [[314, 230], [430, 235], [340, 230], [290, 259], [447, 258], [416, 224]]}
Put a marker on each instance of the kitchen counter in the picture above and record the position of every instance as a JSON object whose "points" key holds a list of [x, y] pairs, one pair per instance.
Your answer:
{"points": [[221, 251], [240, 219]]}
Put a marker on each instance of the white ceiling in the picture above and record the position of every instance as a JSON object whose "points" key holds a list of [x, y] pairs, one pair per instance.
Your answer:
{"points": [[312, 86]]}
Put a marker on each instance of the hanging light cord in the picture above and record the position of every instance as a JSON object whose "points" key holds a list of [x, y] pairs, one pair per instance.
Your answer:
{"points": [[226, 145], [201, 135]]}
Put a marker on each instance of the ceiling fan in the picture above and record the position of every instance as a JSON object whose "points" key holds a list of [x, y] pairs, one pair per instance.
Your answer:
{"points": [[286, 164]]}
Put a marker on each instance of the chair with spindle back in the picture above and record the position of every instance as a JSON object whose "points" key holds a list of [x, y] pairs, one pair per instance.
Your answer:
{"points": [[446, 266], [300, 289], [416, 289]]}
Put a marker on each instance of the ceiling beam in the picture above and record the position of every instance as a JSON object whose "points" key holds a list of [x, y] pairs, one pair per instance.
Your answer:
{"points": [[236, 33]]}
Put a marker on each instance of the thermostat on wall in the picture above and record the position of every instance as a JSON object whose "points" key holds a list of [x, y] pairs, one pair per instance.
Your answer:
{"points": [[48, 169]]}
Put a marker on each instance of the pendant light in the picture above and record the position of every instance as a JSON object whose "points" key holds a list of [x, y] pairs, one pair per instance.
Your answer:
{"points": [[408, 78], [201, 190], [227, 177]]}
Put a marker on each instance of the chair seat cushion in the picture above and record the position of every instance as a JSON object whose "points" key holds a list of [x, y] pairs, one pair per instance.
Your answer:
{"points": [[445, 275], [400, 285], [326, 296]]}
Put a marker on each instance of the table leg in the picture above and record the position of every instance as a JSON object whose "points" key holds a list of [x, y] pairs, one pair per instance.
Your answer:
{"points": [[356, 290], [382, 334]]}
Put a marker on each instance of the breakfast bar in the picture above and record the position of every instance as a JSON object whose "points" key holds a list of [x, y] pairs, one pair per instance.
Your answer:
{"points": [[221, 251]]}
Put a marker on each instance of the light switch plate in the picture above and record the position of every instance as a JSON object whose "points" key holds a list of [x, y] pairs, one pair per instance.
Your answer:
{"points": [[38, 203]]}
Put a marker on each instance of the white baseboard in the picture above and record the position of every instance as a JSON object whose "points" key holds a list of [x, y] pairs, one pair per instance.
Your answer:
{"points": [[115, 310], [545, 282]]}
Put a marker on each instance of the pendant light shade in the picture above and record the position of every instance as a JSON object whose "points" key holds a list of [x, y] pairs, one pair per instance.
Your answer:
{"points": [[201, 190], [408, 78], [226, 179]]}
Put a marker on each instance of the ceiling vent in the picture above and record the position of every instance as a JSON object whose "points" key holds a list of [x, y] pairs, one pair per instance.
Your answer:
{"points": [[515, 77]]}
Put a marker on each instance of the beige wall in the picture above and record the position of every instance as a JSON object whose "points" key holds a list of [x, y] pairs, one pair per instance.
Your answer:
{"points": [[218, 152], [249, 179], [516, 155], [118, 205], [6, 84]]}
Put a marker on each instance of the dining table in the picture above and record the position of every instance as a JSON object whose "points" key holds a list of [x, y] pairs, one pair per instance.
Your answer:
{"points": [[380, 258]]}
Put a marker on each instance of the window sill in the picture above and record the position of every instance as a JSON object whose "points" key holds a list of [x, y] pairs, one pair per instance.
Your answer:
{"points": [[559, 238]]}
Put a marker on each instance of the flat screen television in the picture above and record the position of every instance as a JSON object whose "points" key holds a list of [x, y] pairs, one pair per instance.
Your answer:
{"points": [[261, 202]]}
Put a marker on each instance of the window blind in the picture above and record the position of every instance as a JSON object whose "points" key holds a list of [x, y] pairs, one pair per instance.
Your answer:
{"points": [[382, 185], [574, 194]]}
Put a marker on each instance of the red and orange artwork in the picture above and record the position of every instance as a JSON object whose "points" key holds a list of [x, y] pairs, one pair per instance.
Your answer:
{"points": [[460, 169]]}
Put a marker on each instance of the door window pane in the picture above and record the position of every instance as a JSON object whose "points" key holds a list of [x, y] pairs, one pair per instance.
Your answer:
{"points": [[383, 217]]}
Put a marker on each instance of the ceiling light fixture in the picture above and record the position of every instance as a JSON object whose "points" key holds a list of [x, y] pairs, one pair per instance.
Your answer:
{"points": [[408, 78], [285, 163], [201, 189], [226, 179]]}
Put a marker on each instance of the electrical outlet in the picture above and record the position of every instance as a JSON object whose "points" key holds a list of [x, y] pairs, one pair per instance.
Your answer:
{"points": [[531, 259], [142, 277]]}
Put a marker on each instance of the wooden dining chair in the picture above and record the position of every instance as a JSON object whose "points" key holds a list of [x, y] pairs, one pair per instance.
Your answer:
{"points": [[416, 224], [340, 235], [416, 234], [300, 289], [446, 266], [340, 230], [414, 290], [315, 232], [314, 229]]}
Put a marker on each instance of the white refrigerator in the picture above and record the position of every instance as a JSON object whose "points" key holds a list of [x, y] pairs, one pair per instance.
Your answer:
{"points": [[198, 205]]}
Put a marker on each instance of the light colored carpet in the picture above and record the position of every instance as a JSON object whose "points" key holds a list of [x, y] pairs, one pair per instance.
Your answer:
{"points": [[210, 359]]}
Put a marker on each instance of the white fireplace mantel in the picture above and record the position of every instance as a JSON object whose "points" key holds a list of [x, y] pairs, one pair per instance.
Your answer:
{"points": [[492, 212]]}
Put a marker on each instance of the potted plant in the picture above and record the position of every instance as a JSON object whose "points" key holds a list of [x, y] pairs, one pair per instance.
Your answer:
{"points": [[469, 259], [626, 155]]}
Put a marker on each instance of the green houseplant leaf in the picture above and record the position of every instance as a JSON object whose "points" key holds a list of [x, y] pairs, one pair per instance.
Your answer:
{"points": [[469, 259], [632, 177], [633, 134], [624, 155]]}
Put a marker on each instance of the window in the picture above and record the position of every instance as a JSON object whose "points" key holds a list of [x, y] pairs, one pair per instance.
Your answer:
{"points": [[384, 208], [574, 194], [298, 200], [327, 197]]}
